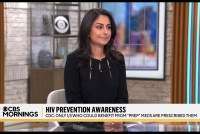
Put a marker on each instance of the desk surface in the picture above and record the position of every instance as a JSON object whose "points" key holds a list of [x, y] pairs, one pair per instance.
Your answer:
{"points": [[128, 127], [167, 127]]}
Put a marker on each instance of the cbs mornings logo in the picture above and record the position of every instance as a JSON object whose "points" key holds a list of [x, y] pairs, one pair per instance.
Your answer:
{"points": [[13, 111]]}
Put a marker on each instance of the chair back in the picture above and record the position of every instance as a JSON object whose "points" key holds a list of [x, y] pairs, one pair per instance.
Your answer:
{"points": [[56, 97]]}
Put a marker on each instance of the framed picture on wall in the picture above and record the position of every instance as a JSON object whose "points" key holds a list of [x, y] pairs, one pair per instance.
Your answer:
{"points": [[61, 24], [140, 37]]}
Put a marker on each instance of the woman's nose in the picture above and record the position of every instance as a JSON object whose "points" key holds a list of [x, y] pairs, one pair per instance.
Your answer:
{"points": [[105, 31]]}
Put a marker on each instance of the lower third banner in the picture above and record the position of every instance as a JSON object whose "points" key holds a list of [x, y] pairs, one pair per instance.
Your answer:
{"points": [[100, 112]]}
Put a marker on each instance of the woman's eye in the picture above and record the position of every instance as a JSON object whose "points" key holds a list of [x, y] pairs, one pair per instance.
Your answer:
{"points": [[109, 27], [99, 27]]}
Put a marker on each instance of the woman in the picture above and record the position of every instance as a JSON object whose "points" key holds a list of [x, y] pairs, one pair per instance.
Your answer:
{"points": [[95, 73]]}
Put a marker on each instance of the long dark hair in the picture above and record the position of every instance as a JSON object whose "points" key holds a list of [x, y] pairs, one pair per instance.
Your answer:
{"points": [[84, 42]]}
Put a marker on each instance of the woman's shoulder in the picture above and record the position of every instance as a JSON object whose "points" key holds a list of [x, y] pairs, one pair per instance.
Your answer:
{"points": [[74, 56], [118, 55]]}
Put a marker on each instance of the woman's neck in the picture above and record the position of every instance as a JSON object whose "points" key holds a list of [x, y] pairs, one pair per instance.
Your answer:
{"points": [[97, 52]]}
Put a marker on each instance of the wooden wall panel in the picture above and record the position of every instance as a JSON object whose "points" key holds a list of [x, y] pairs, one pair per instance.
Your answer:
{"points": [[181, 53], [179, 49]]}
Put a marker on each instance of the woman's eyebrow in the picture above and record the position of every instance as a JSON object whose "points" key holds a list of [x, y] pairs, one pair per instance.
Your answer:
{"points": [[102, 24]]}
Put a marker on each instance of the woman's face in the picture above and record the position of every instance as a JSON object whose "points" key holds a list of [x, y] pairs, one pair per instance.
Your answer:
{"points": [[100, 32]]}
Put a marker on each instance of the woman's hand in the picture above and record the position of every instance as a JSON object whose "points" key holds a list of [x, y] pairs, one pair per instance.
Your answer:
{"points": [[113, 126]]}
